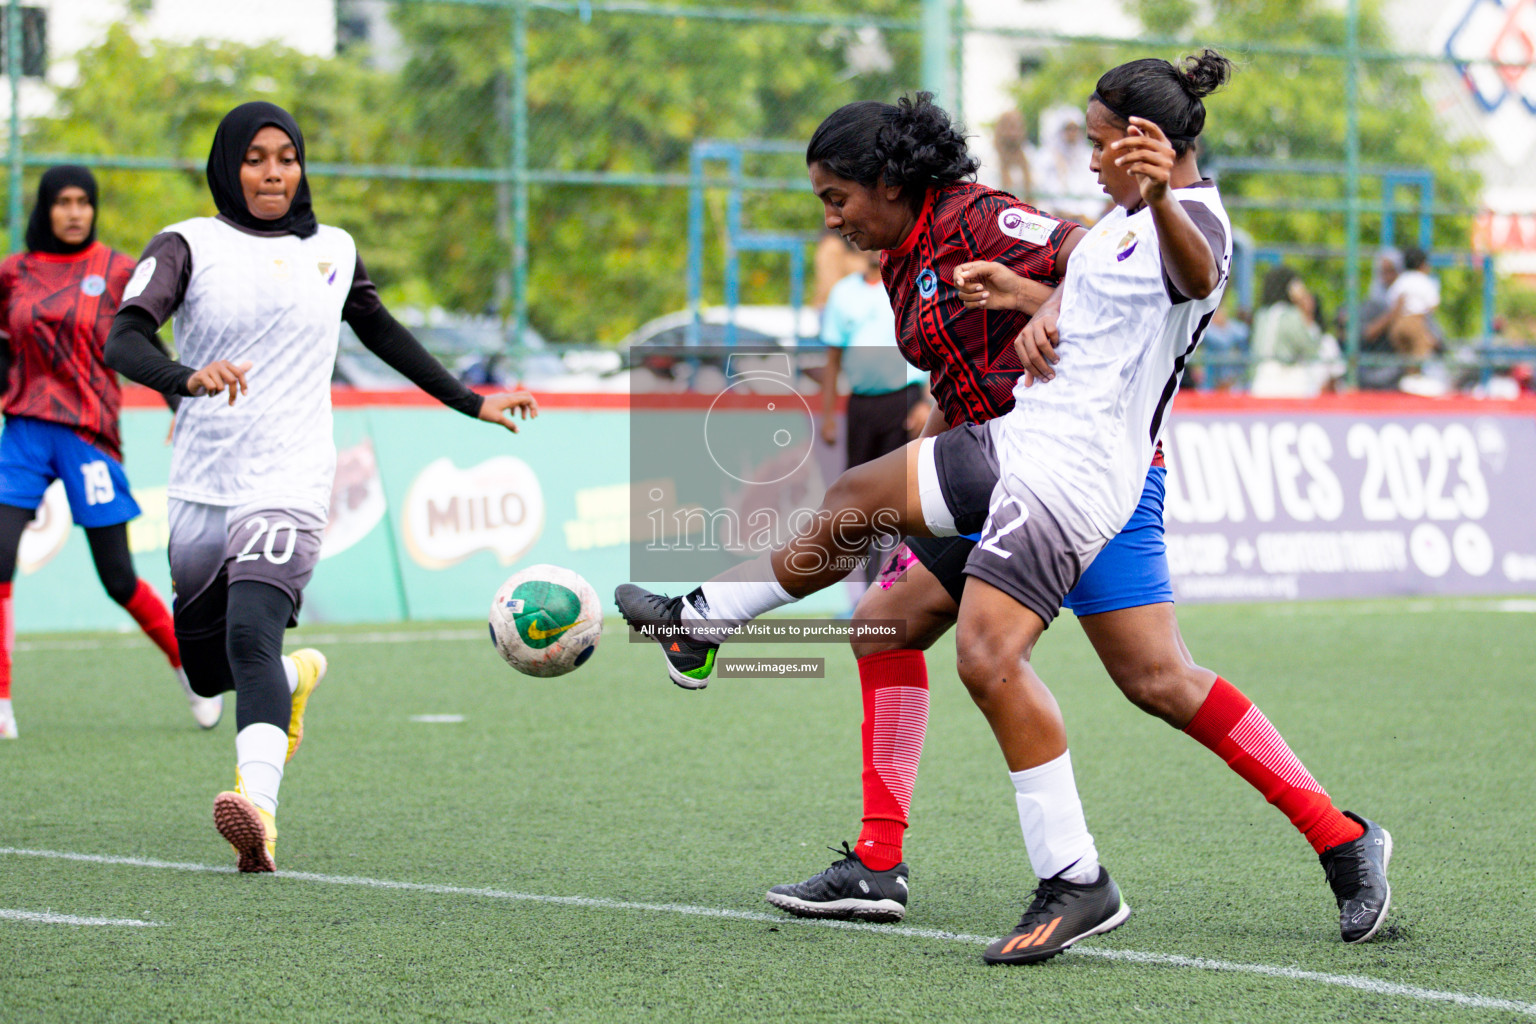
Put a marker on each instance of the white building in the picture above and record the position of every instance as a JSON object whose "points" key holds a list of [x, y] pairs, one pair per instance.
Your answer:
{"points": [[308, 26]]}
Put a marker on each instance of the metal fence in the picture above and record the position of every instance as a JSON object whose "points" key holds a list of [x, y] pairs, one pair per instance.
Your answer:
{"points": [[582, 166]]}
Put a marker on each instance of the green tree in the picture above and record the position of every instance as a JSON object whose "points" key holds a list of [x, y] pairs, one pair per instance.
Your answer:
{"points": [[164, 101], [1291, 109]]}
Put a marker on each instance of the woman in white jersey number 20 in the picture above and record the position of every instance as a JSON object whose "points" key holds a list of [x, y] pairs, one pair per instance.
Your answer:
{"points": [[1046, 485], [258, 294]]}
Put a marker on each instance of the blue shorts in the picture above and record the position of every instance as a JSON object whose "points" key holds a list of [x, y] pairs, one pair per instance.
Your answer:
{"points": [[1131, 571], [34, 453]]}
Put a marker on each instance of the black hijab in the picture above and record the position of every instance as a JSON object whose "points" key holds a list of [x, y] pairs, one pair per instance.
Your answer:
{"points": [[230, 142], [40, 236]]}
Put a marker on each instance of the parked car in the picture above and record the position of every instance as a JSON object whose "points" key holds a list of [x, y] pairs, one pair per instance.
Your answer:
{"points": [[768, 326], [658, 362], [474, 348]]}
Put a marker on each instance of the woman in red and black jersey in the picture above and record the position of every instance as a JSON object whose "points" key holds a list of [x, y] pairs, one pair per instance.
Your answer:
{"points": [[57, 300], [891, 183], [890, 177]]}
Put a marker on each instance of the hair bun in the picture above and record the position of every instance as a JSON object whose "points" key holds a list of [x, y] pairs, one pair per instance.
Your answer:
{"points": [[1205, 73]]}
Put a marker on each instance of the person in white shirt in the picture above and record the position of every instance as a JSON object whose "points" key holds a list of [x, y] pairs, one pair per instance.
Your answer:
{"points": [[258, 294], [1413, 298]]}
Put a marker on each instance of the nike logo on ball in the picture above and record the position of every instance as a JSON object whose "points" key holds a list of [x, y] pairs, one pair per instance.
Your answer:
{"points": [[544, 634]]}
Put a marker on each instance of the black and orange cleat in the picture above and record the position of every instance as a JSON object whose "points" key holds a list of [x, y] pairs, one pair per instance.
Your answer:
{"points": [[1062, 913]]}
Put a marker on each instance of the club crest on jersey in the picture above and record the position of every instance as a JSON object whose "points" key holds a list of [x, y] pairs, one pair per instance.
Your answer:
{"points": [[1026, 227], [93, 285], [327, 271], [1125, 246], [140, 279], [927, 282]]}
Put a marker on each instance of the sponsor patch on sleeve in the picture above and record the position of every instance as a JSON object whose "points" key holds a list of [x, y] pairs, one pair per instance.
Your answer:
{"points": [[140, 279], [1026, 227]]}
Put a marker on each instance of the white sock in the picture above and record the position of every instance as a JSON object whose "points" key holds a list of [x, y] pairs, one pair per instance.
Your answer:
{"points": [[291, 670], [1051, 815], [260, 751], [738, 595]]}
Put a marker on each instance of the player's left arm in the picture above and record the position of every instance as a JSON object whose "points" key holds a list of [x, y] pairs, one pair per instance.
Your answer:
{"points": [[1192, 267], [389, 339]]}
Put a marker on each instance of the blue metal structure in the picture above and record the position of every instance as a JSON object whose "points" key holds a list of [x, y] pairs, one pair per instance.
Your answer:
{"points": [[1247, 258], [737, 239]]}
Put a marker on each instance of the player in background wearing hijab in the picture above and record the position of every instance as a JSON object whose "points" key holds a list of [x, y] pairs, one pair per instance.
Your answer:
{"points": [[1124, 601], [61, 411], [258, 293]]}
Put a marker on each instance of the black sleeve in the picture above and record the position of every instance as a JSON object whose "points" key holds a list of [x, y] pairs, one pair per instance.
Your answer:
{"points": [[1215, 237], [160, 278], [388, 339], [134, 351]]}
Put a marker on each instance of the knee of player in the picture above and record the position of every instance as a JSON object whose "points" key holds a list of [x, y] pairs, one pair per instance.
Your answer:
{"points": [[854, 497], [121, 588], [1164, 689], [985, 667]]}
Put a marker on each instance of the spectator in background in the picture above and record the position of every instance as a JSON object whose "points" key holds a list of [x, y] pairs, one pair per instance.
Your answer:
{"points": [[1376, 319], [1013, 173], [835, 259], [1286, 342], [859, 330], [1067, 187], [1414, 296], [1224, 342]]}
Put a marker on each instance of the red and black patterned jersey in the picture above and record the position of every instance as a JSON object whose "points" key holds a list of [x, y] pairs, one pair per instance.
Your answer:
{"points": [[969, 354], [56, 312]]}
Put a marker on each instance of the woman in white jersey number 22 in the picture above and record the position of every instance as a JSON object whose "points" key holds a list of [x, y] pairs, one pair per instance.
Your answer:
{"points": [[1046, 485], [258, 294]]}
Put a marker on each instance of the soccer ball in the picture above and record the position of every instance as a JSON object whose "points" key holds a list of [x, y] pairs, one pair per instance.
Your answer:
{"points": [[546, 621]]}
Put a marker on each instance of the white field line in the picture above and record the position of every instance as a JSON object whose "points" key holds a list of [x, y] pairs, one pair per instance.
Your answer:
{"points": [[1362, 983], [45, 917], [437, 719], [401, 636], [1426, 606]]}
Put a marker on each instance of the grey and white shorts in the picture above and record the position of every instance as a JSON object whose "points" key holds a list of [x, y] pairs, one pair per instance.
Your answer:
{"points": [[279, 547], [1022, 548]]}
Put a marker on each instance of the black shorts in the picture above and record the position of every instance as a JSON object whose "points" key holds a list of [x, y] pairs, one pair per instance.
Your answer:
{"points": [[945, 558], [877, 424]]}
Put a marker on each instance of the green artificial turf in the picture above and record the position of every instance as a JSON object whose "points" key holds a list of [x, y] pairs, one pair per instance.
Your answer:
{"points": [[615, 785]]}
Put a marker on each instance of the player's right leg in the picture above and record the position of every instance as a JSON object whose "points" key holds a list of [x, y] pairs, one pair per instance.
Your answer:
{"points": [[270, 555], [894, 680], [25, 473]]}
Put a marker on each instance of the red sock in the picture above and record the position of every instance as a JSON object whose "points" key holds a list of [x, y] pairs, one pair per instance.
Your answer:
{"points": [[7, 640], [1238, 732], [895, 687], [150, 613]]}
